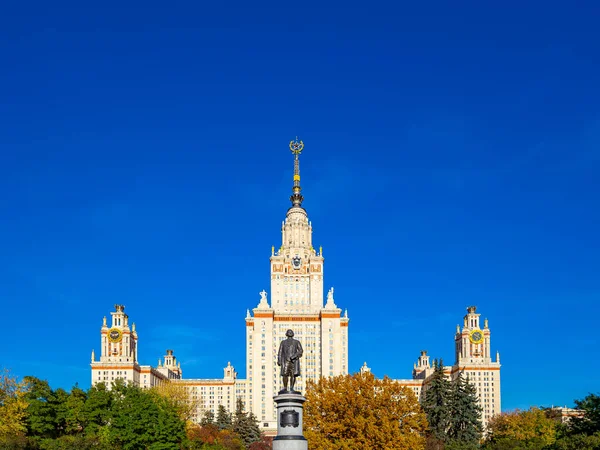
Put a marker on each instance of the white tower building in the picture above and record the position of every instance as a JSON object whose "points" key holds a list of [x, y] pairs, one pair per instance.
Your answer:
{"points": [[118, 356], [297, 304], [474, 361]]}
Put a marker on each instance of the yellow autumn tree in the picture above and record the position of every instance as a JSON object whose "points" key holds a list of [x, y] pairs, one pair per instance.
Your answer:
{"points": [[184, 403], [359, 411], [13, 405], [531, 428]]}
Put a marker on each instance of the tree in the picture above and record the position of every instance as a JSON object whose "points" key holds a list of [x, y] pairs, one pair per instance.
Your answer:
{"points": [[465, 427], [13, 406], [141, 419], [578, 442], [96, 411], [229, 440], [200, 435], [223, 421], [42, 420], [179, 398], [436, 403], [530, 429], [245, 425], [208, 418], [265, 443], [75, 418], [359, 412], [589, 424], [58, 401]]}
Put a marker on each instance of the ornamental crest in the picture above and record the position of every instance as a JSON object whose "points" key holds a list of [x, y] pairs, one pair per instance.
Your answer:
{"points": [[290, 418]]}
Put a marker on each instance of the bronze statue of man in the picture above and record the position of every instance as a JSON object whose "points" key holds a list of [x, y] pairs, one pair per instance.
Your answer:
{"points": [[290, 351]]}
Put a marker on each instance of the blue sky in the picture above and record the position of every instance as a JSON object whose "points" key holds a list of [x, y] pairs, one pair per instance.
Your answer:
{"points": [[451, 159]]}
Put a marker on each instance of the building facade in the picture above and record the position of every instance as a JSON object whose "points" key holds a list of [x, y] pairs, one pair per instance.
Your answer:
{"points": [[472, 351], [118, 356], [297, 303]]}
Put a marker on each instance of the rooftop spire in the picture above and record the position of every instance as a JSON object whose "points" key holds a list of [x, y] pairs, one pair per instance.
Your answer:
{"points": [[296, 147]]}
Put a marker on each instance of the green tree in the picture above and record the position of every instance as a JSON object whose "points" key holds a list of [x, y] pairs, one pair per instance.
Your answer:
{"points": [[141, 419], [223, 421], [589, 424], [245, 425], [208, 418], [362, 412], [59, 404], [578, 442], [96, 411], [78, 442], [436, 403], [529, 429], [465, 428], [42, 420], [75, 417]]}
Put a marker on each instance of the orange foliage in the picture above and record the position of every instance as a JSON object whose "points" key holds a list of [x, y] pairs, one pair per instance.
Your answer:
{"points": [[210, 434], [207, 434], [360, 412]]}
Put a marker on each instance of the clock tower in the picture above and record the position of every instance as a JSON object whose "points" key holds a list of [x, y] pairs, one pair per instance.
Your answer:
{"points": [[474, 361], [119, 342], [472, 343]]}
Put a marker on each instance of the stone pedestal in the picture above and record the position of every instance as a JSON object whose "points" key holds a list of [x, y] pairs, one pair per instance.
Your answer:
{"points": [[289, 422]]}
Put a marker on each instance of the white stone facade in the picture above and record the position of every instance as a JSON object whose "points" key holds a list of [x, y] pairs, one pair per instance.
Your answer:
{"points": [[472, 359], [118, 356], [296, 304]]}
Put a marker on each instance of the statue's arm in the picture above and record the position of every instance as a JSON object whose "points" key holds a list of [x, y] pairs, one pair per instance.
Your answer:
{"points": [[279, 355], [299, 350]]}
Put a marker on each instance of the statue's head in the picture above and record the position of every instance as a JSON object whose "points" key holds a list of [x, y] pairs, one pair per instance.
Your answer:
{"points": [[289, 333]]}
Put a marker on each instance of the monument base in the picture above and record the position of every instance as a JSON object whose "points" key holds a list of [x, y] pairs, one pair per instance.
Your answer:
{"points": [[289, 422]]}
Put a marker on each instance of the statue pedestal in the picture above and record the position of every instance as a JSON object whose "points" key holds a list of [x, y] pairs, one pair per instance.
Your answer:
{"points": [[289, 422]]}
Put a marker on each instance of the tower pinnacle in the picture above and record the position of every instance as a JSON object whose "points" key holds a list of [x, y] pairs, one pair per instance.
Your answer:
{"points": [[296, 198]]}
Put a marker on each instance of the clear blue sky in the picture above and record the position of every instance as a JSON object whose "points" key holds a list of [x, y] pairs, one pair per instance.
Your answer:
{"points": [[452, 159]]}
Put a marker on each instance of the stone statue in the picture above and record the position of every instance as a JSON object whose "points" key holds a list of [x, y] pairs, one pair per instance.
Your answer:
{"points": [[290, 352]]}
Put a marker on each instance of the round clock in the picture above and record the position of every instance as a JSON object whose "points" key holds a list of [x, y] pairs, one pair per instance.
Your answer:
{"points": [[115, 335], [476, 336]]}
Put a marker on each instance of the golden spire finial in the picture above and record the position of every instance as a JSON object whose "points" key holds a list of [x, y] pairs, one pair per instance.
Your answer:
{"points": [[296, 147]]}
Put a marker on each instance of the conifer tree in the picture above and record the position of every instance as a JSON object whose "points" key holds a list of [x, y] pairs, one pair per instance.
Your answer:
{"points": [[208, 418], [465, 428], [245, 425], [437, 402], [223, 419]]}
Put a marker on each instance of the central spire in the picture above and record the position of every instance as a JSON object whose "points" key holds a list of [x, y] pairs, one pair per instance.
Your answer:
{"points": [[296, 198]]}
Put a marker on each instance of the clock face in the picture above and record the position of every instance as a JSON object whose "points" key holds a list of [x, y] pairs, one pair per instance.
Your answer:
{"points": [[296, 261], [114, 335], [476, 336]]}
